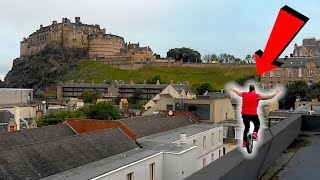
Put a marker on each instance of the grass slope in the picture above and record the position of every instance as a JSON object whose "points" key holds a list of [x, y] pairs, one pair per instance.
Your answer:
{"points": [[91, 70]]}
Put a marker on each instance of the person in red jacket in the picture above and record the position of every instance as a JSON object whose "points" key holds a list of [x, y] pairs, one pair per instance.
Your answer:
{"points": [[250, 101]]}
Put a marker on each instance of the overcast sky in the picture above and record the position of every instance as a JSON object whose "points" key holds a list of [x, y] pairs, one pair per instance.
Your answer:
{"points": [[237, 27]]}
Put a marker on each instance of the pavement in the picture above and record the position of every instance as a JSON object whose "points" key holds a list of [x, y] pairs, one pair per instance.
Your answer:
{"points": [[302, 164]]}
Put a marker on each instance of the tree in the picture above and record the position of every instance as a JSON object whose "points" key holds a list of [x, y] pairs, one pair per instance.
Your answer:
{"points": [[1, 84], [154, 79], [117, 100], [209, 58], [297, 88], [200, 89], [136, 96], [90, 96], [101, 111], [243, 79], [226, 58], [184, 54], [58, 117]]}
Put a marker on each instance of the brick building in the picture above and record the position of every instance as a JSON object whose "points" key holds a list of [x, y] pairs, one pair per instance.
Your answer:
{"points": [[310, 47], [292, 69]]}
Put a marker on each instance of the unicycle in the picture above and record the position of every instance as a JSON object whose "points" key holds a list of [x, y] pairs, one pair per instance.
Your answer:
{"points": [[250, 143]]}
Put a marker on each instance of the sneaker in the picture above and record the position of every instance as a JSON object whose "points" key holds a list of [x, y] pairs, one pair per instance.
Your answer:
{"points": [[244, 144], [255, 136]]}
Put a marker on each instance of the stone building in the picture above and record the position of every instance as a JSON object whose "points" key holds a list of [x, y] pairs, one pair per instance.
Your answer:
{"points": [[292, 69], [310, 47], [101, 46]]}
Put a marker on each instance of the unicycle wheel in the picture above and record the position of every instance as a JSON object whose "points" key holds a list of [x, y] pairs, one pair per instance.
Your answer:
{"points": [[250, 143]]}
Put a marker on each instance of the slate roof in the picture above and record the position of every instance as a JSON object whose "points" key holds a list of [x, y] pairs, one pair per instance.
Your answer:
{"points": [[298, 61], [5, 116], [141, 119], [180, 87], [79, 85], [143, 86], [166, 96], [150, 126], [27, 137], [48, 158]]}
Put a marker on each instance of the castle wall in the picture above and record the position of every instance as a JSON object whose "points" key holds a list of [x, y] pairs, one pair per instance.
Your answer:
{"points": [[102, 46]]}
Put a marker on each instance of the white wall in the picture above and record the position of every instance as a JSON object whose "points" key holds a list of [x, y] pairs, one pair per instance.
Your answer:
{"points": [[212, 147], [141, 170], [25, 112], [14, 96], [179, 166]]}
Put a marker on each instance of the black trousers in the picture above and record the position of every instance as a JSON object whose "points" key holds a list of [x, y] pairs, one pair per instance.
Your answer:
{"points": [[246, 122]]}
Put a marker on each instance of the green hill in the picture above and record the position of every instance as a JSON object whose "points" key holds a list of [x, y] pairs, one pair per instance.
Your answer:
{"points": [[91, 70]]}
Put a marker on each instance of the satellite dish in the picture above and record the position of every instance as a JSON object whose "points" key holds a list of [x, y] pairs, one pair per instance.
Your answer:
{"points": [[170, 113]]}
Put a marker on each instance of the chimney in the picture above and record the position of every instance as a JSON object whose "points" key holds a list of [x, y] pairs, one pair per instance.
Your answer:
{"points": [[41, 26], [183, 138], [158, 82], [144, 81], [291, 55], [44, 107], [104, 81], [92, 82], [172, 82], [295, 46], [222, 90], [131, 82], [77, 20], [17, 117], [54, 22]]}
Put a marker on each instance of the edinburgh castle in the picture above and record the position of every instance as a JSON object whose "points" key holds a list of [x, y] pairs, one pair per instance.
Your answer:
{"points": [[107, 48]]}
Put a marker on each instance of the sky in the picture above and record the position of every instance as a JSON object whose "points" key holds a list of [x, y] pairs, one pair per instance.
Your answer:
{"points": [[237, 27]]}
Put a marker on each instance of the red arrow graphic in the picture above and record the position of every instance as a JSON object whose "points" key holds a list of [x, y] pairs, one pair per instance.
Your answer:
{"points": [[288, 24]]}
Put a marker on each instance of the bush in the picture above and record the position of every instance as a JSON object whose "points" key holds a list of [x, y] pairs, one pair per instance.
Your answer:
{"points": [[58, 117], [101, 111]]}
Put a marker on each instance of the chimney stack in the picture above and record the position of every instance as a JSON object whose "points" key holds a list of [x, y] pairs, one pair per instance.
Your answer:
{"points": [[17, 117], [158, 82], [183, 138]]}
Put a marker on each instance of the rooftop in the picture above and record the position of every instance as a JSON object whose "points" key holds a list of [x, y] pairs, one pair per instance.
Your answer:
{"points": [[174, 134], [39, 160]]}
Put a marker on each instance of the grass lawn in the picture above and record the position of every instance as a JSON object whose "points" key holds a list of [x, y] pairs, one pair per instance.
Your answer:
{"points": [[91, 70]]}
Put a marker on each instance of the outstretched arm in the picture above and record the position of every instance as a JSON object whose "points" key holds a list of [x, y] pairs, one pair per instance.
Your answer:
{"points": [[266, 97], [239, 93]]}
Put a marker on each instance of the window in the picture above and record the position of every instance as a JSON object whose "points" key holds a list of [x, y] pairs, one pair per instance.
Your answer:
{"points": [[263, 74], [212, 138], [204, 142], [238, 133], [310, 73], [130, 176], [278, 84], [225, 132], [212, 157], [289, 72], [204, 161], [279, 73], [11, 129], [219, 152], [220, 135], [170, 107], [152, 171], [310, 83], [271, 74], [300, 72], [195, 142]]}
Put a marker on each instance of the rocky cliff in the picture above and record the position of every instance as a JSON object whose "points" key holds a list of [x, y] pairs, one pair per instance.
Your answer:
{"points": [[45, 69]]}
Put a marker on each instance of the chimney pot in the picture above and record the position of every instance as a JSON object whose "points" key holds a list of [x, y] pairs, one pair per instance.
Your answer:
{"points": [[183, 138]]}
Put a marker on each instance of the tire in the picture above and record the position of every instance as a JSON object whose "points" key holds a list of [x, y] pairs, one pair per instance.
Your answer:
{"points": [[250, 143]]}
